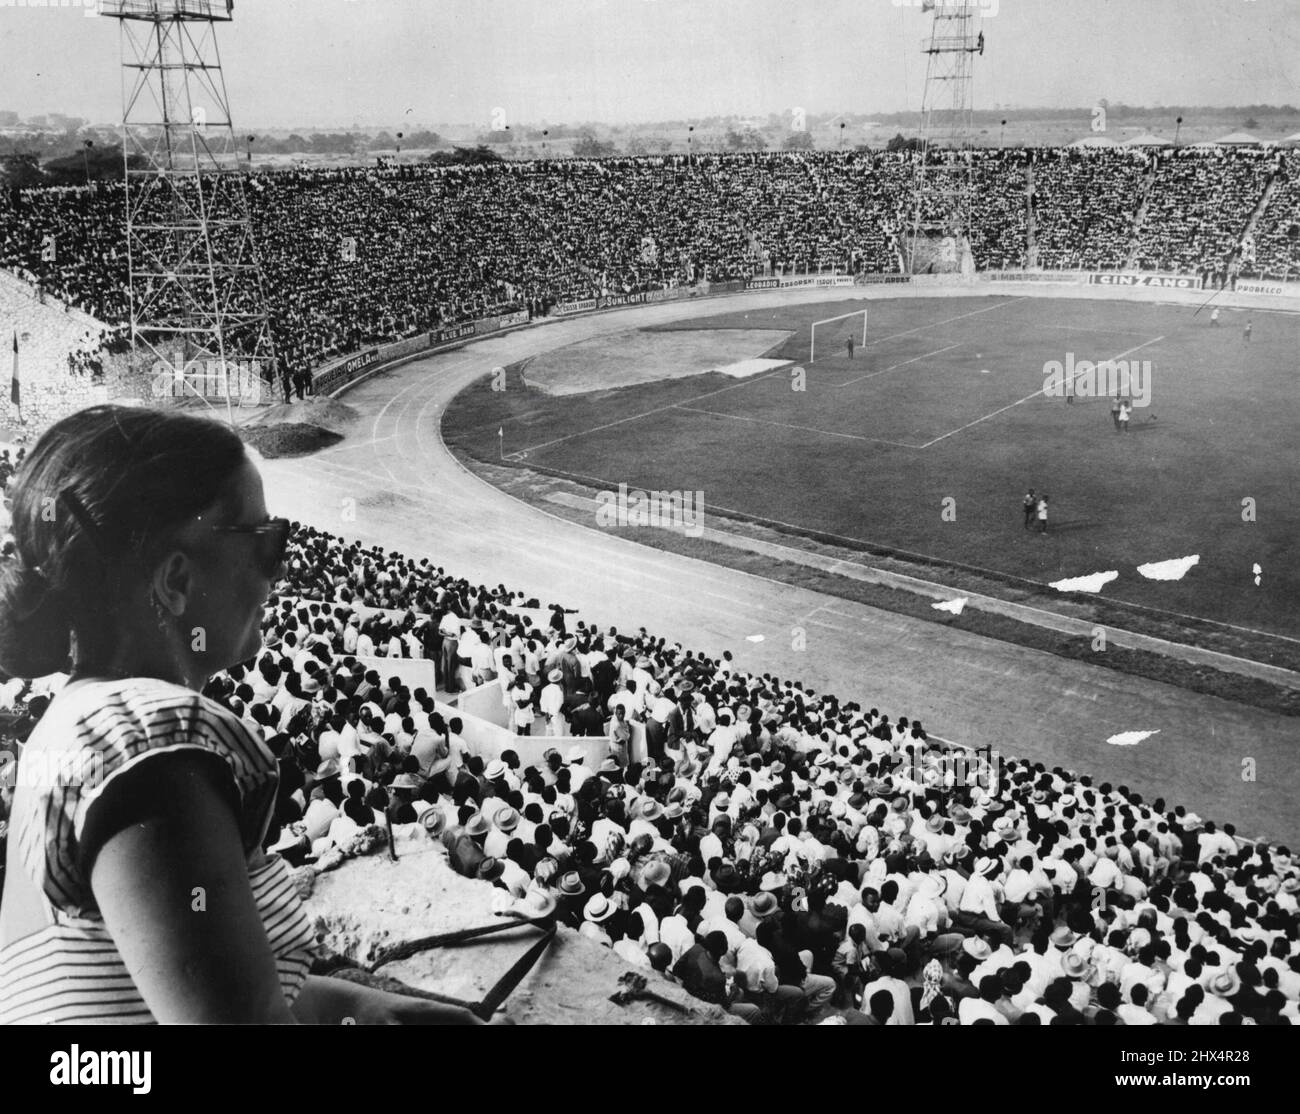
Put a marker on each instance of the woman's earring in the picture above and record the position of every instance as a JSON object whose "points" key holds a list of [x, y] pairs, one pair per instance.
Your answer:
{"points": [[161, 614]]}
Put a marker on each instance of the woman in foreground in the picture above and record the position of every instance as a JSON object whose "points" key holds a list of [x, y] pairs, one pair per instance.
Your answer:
{"points": [[137, 889]]}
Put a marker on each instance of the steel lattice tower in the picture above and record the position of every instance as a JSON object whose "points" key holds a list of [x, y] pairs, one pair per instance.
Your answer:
{"points": [[197, 300], [943, 181]]}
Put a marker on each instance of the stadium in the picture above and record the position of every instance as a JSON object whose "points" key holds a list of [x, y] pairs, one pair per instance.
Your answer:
{"points": [[774, 587]]}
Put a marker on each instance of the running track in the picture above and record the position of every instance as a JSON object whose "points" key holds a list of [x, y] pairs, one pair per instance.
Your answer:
{"points": [[407, 492]]}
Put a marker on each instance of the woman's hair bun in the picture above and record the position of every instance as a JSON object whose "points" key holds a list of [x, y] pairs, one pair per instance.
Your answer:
{"points": [[35, 635]]}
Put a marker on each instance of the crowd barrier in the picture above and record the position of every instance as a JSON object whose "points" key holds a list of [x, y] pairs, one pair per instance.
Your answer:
{"points": [[484, 703], [790, 282], [1145, 278], [365, 611], [488, 740], [414, 673], [336, 377], [484, 706], [879, 280], [944, 278], [1267, 288], [1069, 278]]}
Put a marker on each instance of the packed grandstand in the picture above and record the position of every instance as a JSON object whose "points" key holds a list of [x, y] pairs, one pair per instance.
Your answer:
{"points": [[781, 854], [359, 256]]}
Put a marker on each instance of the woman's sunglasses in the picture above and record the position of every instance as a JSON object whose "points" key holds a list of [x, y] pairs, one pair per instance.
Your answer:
{"points": [[271, 541]]}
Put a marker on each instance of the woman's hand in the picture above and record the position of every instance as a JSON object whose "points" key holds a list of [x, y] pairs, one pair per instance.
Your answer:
{"points": [[380, 1007], [330, 1001]]}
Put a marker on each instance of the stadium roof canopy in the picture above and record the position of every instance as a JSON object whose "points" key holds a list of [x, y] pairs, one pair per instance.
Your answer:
{"points": [[1094, 141], [1232, 139], [1148, 140]]}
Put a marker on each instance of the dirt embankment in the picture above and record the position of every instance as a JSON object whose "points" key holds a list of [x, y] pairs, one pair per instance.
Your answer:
{"points": [[371, 903], [299, 428]]}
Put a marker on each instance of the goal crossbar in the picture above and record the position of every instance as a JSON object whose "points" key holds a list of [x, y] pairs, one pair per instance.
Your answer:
{"points": [[812, 353]]}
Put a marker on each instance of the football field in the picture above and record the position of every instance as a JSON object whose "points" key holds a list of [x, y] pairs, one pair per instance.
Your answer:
{"points": [[927, 439]]}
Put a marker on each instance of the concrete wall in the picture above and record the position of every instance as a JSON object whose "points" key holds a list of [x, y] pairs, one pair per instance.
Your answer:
{"points": [[414, 672]]}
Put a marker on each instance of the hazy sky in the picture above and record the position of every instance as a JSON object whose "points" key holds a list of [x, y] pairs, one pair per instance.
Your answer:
{"points": [[335, 62]]}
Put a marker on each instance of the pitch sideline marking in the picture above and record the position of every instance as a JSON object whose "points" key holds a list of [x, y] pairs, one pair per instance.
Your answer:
{"points": [[873, 374], [946, 321], [800, 428], [1018, 402], [519, 454]]}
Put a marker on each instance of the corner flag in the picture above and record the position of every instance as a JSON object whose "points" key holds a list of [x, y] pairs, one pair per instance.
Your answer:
{"points": [[15, 391]]}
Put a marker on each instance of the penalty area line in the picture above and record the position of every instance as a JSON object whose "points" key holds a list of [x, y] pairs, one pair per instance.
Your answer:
{"points": [[799, 428], [873, 374], [1019, 401]]}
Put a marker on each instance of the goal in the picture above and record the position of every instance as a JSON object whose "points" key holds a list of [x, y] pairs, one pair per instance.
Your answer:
{"points": [[834, 332]]}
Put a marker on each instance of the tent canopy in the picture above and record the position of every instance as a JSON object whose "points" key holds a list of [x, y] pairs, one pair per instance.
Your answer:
{"points": [[1148, 140], [1094, 141], [1232, 139]]}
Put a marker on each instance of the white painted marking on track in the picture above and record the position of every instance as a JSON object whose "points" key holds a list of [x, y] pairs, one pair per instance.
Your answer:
{"points": [[1130, 738], [1094, 582], [1174, 569], [953, 607]]}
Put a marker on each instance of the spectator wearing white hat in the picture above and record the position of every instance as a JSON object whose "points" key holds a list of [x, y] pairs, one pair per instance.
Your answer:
{"points": [[977, 911], [504, 820], [552, 704], [595, 917], [576, 763]]}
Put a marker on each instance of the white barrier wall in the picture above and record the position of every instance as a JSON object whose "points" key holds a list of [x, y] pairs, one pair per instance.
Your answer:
{"points": [[485, 703], [414, 673], [365, 611], [481, 737], [487, 740], [487, 732]]}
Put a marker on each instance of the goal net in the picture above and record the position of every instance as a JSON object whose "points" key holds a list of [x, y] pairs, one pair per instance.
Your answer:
{"points": [[831, 337]]}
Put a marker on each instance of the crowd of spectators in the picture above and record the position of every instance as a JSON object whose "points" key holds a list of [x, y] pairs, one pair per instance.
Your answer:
{"points": [[1277, 239], [1085, 203], [354, 256], [1200, 204], [779, 853]]}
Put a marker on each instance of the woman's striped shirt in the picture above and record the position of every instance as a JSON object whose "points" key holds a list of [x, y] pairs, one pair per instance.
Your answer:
{"points": [[70, 971]]}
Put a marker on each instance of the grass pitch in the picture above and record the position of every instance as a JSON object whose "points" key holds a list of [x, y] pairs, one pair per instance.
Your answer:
{"points": [[927, 439]]}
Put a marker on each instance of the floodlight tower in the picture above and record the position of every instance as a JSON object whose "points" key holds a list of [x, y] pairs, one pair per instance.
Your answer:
{"points": [[943, 180], [197, 299]]}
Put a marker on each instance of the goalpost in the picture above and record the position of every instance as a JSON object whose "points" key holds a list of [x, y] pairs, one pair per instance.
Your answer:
{"points": [[837, 336]]}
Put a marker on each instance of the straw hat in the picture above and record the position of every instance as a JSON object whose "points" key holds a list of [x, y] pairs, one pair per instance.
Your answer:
{"points": [[598, 909], [655, 873], [1075, 966], [536, 905]]}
